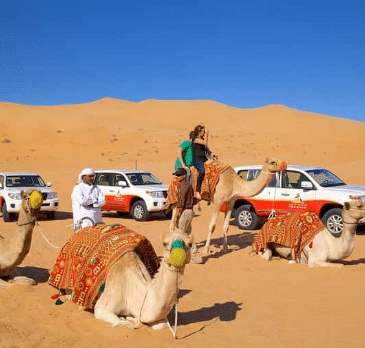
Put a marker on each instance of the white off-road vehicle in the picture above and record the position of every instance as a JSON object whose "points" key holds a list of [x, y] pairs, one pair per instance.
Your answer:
{"points": [[131, 191], [299, 188], [11, 185]]}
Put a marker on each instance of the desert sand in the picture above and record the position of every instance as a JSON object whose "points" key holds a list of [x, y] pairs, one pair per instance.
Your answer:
{"points": [[232, 300]]}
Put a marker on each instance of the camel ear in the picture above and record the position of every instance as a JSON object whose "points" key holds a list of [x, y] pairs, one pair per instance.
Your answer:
{"points": [[22, 194], [346, 205]]}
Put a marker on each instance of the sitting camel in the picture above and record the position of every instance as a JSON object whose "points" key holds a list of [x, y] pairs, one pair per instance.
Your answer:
{"points": [[14, 250], [131, 295], [315, 246], [229, 187]]}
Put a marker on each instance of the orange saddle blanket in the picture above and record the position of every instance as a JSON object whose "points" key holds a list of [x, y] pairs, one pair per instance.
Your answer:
{"points": [[293, 229], [213, 170], [84, 261]]}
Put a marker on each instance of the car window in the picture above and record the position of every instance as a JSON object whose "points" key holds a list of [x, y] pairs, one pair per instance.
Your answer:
{"points": [[252, 174], [243, 174], [120, 177], [143, 179], [291, 179], [104, 179], [24, 181], [325, 178]]}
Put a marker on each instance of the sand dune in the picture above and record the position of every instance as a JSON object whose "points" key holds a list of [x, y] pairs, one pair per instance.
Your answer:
{"points": [[232, 300]]}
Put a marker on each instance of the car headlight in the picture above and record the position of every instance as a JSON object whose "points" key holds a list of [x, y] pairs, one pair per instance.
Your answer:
{"points": [[51, 195], [155, 194], [15, 196]]}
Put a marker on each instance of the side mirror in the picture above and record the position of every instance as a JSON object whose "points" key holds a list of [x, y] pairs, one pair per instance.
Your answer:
{"points": [[49, 184], [122, 184], [306, 185]]}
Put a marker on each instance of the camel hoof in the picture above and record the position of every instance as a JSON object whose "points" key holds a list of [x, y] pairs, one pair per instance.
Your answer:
{"points": [[196, 259], [23, 281]]}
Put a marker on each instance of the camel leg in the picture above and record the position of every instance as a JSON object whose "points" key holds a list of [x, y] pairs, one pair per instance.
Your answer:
{"points": [[4, 284], [19, 279], [227, 217], [321, 263], [267, 254], [213, 221]]}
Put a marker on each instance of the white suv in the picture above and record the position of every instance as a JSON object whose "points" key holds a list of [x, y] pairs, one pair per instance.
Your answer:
{"points": [[299, 188], [11, 184], [131, 191]]}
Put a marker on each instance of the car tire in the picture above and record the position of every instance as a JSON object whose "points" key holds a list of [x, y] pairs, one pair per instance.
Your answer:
{"points": [[139, 211], [333, 221], [246, 218], [7, 217]]}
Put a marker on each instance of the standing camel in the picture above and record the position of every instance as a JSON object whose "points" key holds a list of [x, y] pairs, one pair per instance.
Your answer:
{"points": [[323, 247], [229, 187], [14, 250]]}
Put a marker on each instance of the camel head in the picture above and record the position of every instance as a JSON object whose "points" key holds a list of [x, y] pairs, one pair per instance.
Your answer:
{"points": [[177, 246], [31, 204], [273, 165], [354, 209]]}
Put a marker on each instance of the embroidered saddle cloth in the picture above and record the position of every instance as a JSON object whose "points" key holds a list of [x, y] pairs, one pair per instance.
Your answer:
{"points": [[293, 229], [85, 259], [213, 170]]}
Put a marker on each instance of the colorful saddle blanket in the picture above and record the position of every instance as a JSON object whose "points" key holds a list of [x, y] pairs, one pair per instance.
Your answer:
{"points": [[294, 230], [213, 170], [85, 259]]}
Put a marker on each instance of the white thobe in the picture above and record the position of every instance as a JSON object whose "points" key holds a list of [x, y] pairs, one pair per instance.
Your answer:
{"points": [[82, 196]]}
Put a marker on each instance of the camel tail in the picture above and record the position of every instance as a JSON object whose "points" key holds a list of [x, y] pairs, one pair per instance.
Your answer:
{"points": [[185, 220]]}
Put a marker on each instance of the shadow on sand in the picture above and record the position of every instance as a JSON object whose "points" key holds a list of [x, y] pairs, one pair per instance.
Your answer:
{"points": [[40, 275], [235, 242], [219, 311]]}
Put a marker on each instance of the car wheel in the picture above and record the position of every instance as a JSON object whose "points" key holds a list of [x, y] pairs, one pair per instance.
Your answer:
{"points": [[7, 217], [333, 221], [139, 211], [246, 218]]}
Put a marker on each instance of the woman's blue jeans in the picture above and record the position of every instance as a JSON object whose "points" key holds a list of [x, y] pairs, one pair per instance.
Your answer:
{"points": [[199, 165]]}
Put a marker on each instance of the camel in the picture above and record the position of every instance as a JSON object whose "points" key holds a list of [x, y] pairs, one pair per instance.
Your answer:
{"points": [[324, 247], [229, 187], [131, 295], [14, 250]]}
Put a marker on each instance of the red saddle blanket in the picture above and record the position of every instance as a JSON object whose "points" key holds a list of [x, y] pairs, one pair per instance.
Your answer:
{"points": [[85, 259], [213, 169], [294, 230]]}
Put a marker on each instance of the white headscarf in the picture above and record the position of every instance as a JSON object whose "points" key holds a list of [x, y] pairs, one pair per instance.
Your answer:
{"points": [[85, 171]]}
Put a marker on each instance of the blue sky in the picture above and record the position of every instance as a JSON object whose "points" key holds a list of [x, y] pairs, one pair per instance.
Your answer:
{"points": [[309, 55]]}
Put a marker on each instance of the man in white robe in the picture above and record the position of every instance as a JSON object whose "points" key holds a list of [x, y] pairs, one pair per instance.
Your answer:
{"points": [[87, 199]]}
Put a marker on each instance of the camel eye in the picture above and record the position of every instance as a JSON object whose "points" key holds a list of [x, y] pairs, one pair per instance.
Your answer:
{"points": [[165, 244], [190, 244]]}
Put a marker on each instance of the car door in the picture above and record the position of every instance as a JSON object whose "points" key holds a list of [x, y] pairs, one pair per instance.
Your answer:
{"points": [[263, 202], [292, 196]]}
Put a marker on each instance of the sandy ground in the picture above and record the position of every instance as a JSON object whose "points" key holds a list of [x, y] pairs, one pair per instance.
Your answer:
{"points": [[231, 300]]}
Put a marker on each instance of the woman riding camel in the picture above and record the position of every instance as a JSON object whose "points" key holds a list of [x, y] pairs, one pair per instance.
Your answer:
{"points": [[201, 154]]}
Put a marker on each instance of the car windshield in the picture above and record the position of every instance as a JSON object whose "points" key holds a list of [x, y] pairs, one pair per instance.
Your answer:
{"points": [[325, 178], [24, 181], [143, 179]]}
